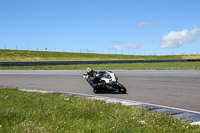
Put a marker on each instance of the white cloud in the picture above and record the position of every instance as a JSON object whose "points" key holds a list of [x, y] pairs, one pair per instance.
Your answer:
{"points": [[133, 46], [177, 38], [118, 48], [147, 24], [116, 42]]}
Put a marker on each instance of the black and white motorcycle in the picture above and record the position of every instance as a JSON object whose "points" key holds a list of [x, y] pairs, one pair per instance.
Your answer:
{"points": [[109, 82]]}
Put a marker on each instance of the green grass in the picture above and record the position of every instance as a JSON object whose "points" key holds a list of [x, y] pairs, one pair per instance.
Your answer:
{"points": [[37, 112], [20, 55], [126, 66]]}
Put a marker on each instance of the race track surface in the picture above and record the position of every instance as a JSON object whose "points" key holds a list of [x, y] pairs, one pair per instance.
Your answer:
{"points": [[179, 89]]}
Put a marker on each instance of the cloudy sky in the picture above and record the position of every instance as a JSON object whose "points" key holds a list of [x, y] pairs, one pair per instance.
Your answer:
{"points": [[103, 26]]}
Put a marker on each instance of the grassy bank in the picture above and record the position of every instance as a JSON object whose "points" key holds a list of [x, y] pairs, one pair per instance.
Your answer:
{"points": [[37, 112], [20, 55], [126, 66]]}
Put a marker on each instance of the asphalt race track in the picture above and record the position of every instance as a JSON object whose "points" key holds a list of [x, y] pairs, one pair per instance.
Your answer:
{"points": [[179, 89]]}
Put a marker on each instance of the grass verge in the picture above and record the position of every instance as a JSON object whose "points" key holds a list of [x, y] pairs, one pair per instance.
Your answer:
{"points": [[37, 112], [126, 66]]}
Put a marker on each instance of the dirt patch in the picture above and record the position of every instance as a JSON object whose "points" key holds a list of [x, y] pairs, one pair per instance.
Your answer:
{"points": [[191, 57], [33, 59]]}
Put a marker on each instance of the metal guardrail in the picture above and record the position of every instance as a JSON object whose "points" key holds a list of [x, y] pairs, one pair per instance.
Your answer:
{"points": [[45, 63]]}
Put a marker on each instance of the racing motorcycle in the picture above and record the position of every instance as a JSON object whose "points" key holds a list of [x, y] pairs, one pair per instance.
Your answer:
{"points": [[108, 80]]}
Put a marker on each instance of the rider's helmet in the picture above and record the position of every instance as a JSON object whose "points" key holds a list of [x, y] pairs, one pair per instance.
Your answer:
{"points": [[88, 70]]}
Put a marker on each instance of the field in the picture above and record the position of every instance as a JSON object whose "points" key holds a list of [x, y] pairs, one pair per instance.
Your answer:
{"points": [[20, 55], [39, 112]]}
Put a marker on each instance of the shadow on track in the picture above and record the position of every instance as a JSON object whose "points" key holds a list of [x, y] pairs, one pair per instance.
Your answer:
{"points": [[109, 92]]}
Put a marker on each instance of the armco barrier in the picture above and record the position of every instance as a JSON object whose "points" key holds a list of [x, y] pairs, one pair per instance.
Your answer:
{"points": [[45, 63], [193, 60]]}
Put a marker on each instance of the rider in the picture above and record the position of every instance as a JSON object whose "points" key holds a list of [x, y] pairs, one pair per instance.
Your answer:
{"points": [[94, 79]]}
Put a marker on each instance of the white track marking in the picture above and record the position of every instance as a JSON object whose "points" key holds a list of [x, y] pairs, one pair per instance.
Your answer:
{"points": [[195, 123]]}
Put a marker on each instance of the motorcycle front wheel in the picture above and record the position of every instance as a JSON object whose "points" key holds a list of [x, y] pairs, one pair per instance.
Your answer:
{"points": [[121, 88]]}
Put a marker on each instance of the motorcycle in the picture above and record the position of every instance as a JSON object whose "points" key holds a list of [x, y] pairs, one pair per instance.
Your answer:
{"points": [[108, 80]]}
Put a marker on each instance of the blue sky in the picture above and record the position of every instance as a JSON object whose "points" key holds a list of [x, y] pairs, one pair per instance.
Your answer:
{"points": [[103, 26]]}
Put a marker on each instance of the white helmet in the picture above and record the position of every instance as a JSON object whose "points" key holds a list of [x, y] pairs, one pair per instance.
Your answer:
{"points": [[88, 70]]}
